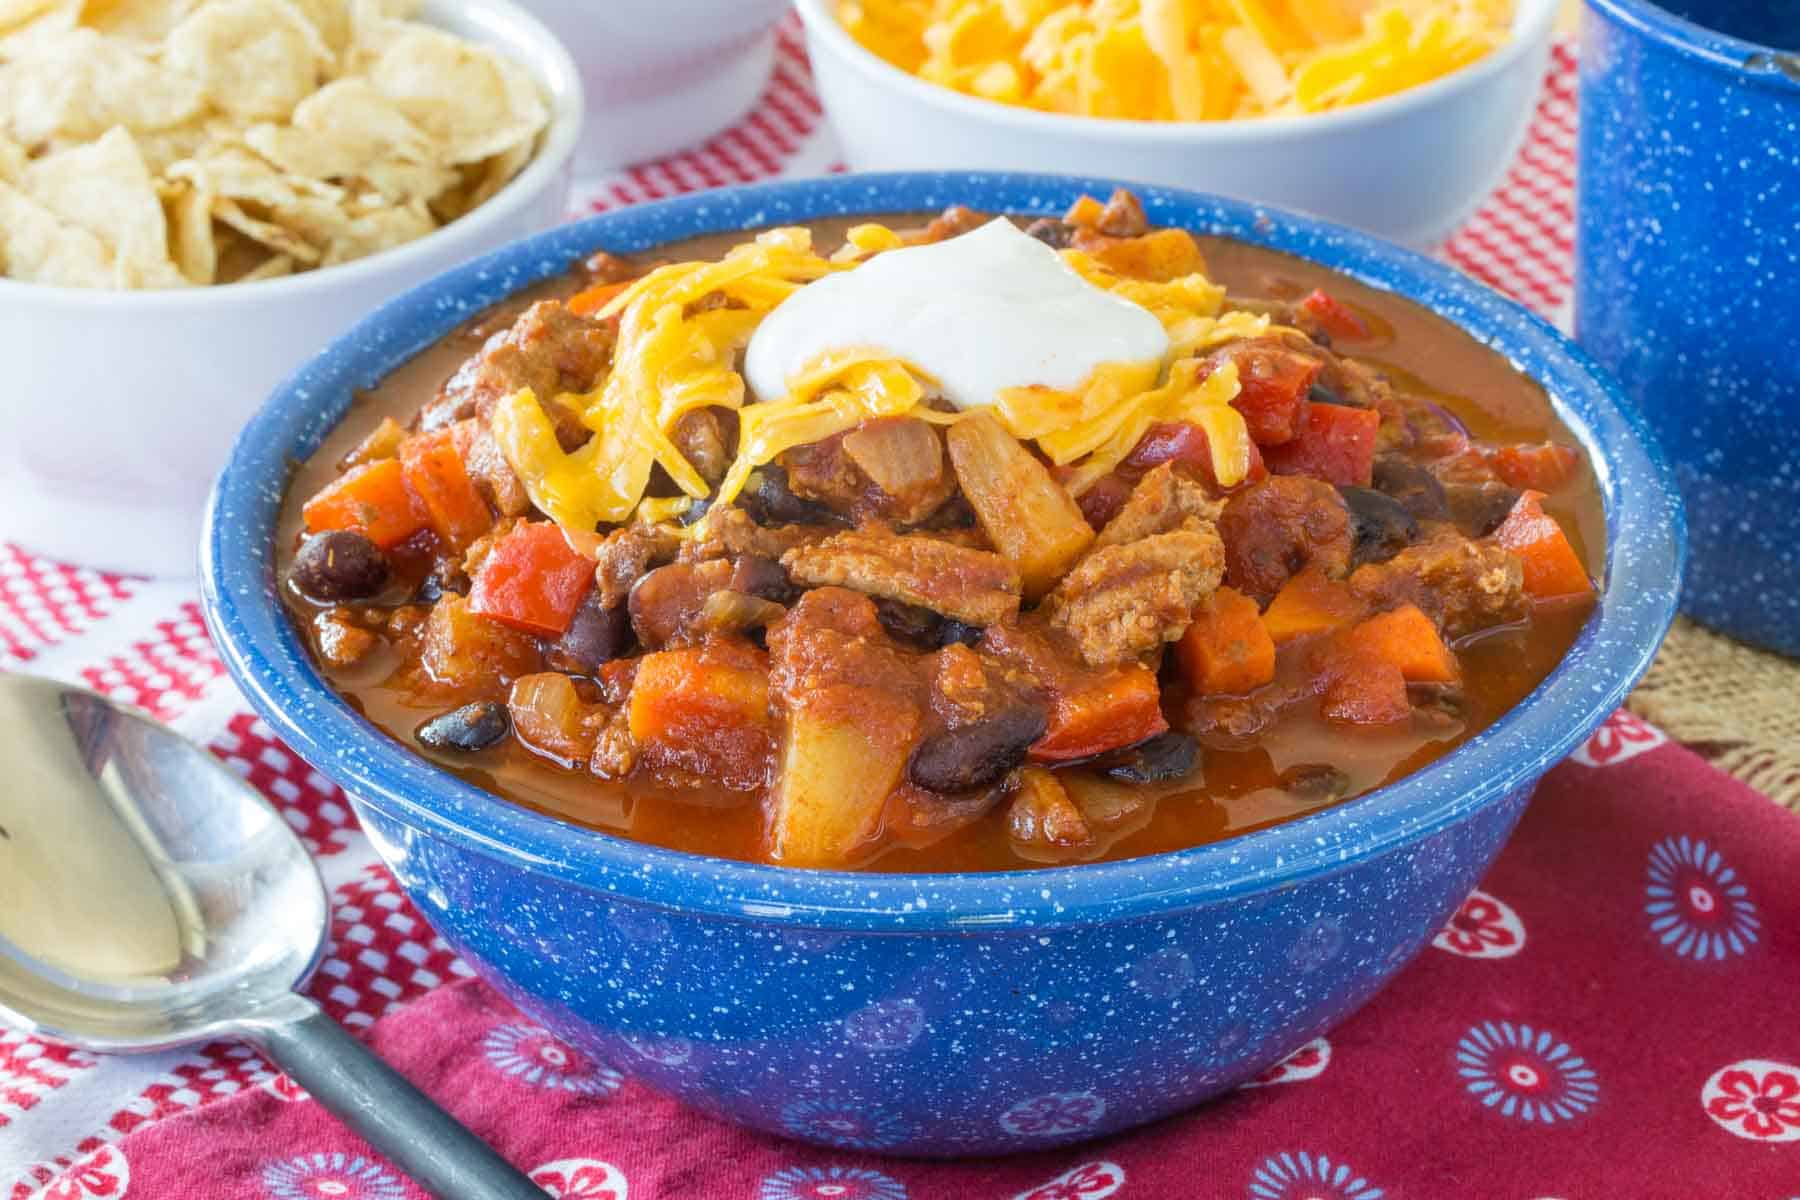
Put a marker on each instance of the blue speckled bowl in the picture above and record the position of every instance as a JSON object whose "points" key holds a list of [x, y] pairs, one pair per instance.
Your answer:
{"points": [[1688, 281], [950, 1014]]}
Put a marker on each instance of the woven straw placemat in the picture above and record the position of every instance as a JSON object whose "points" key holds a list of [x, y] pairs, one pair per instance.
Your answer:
{"points": [[1737, 706]]}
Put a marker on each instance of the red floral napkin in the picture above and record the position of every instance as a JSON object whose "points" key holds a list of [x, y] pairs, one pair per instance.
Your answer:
{"points": [[1611, 1015]]}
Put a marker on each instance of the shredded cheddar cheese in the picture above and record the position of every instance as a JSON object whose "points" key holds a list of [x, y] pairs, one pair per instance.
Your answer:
{"points": [[1179, 60], [683, 327]]}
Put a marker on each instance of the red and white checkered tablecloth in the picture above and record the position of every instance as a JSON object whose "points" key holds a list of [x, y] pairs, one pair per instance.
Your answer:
{"points": [[142, 641]]}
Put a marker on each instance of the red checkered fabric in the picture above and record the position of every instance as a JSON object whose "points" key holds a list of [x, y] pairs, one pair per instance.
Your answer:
{"points": [[143, 642]]}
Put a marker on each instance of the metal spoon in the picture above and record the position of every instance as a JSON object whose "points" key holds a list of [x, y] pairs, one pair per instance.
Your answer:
{"points": [[150, 899]]}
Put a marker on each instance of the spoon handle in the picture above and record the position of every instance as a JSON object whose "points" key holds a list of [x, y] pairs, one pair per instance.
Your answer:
{"points": [[375, 1100]]}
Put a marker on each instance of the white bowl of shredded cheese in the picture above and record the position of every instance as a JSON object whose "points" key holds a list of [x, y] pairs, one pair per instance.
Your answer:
{"points": [[1409, 166]]}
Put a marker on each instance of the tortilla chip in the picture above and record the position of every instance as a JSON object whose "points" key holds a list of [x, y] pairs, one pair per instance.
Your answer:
{"points": [[195, 248], [272, 267], [145, 21], [37, 247], [276, 237], [377, 230], [471, 102], [79, 85], [105, 188], [256, 59], [338, 131]]}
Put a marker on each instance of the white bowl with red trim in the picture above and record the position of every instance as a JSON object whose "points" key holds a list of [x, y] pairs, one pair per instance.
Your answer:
{"points": [[662, 75], [1409, 167]]}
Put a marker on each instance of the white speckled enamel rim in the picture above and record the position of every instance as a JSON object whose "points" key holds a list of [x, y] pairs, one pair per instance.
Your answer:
{"points": [[1531, 26], [1750, 61], [265, 656]]}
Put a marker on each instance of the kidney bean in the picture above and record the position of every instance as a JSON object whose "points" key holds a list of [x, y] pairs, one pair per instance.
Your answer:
{"points": [[977, 755], [1380, 526], [1166, 756], [1479, 508], [467, 729], [754, 575], [908, 622], [340, 565], [597, 635], [1315, 783]]}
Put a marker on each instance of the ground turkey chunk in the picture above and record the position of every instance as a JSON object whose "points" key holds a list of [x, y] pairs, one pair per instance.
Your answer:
{"points": [[624, 556], [1276, 528], [549, 350], [1121, 602], [1466, 585], [976, 587], [1163, 500]]}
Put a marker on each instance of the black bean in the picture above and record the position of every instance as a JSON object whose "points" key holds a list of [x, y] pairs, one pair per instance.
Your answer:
{"points": [[956, 631], [908, 622], [1379, 523], [340, 565], [953, 513], [695, 510], [1478, 508], [1166, 756], [754, 575], [1315, 783], [1052, 232], [597, 635], [467, 729], [769, 501], [1416, 489], [978, 755], [1438, 705]]}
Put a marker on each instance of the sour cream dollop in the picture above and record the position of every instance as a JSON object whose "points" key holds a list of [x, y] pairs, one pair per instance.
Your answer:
{"points": [[994, 308]]}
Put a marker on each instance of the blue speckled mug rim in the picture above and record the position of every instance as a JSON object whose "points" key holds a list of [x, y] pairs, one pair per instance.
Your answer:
{"points": [[1719, 50], [265, 656]]}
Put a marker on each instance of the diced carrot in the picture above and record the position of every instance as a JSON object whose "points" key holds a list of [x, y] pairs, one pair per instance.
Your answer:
{"points": [[1552, 568], [1085, 212], [1337, 445], [372, 500], [1273, 383], [705, 709], [532, 581], [589, 301], [1119, 707], [1185, 444], [1311, 602], [435, 472], [1227, 650], [1333, 315], [1101, 502], [1408, 639], [1544, 468], [1366, 691]]}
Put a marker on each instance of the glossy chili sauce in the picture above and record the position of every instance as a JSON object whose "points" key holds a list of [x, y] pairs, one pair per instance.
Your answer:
{"points": [[1297, 765]]}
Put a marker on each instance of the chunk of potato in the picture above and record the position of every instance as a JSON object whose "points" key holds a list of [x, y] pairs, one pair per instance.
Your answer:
{"points": [[1028, 516], [844, 753]]}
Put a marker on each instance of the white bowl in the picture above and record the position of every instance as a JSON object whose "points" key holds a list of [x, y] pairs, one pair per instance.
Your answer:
{"points": [[1409, 167], [118, 408], [662, 75]]}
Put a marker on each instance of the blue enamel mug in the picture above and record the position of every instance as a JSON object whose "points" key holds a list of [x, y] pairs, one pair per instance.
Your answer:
{"points": [[1688, 276]]}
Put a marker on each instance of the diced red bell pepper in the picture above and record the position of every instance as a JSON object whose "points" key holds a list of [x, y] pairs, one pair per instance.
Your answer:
{"points": [[1553, 570], [1185, 443], [372, 500], [1333, 315], [434, 470], [1109, 711], [1273, 383], [1542, 468], [532, 581], [1337, 445], [1102, 502]]}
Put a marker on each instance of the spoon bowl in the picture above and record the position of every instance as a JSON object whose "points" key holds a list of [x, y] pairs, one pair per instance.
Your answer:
{"points": [[151, 899]]}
